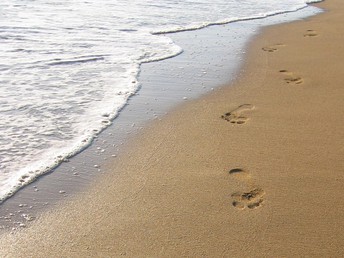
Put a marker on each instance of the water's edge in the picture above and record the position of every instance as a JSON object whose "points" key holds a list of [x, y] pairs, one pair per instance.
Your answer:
{"points": [[210, 66]]}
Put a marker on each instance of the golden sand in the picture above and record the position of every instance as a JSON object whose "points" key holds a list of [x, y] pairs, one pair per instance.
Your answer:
{"points": [[251, 170]]}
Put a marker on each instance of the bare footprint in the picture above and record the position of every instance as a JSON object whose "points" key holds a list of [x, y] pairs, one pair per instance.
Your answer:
{"points": [[272, 48], [311, 33], [236, 116], [251, 199], [290, 78]]}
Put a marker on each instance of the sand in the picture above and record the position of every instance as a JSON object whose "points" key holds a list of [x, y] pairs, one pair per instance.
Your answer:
{"points": [[251, 170]]}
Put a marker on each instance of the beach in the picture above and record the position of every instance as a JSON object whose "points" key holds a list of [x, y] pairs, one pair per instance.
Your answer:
{"points": [[254, 169]]}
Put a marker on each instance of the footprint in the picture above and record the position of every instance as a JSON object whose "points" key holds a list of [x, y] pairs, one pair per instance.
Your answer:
{"points": [[291, 78], [311, 33], [235, 116], [272, 48], [251, 199]]}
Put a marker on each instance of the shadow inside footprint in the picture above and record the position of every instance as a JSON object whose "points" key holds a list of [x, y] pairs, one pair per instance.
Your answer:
{"points": [[240, 174], [255, 204], [235, 171], [235, 116], [311, 33], [238, 205]]}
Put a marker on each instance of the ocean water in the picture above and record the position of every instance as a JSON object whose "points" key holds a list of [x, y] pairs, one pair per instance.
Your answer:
{"points": [[68, 67]]}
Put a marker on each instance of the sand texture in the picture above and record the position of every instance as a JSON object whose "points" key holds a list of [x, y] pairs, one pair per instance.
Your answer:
{"points": [[251, 170]]}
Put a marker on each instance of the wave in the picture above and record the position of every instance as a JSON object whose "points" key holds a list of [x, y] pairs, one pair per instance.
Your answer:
{"points": [[235, 19]]}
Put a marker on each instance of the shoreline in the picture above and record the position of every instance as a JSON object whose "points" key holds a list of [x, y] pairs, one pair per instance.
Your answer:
{"points": [[205, 65], [53, 157], [248, 170]]}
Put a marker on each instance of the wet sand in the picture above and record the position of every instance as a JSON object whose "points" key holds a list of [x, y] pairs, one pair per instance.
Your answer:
{"points": [[251, 170]]}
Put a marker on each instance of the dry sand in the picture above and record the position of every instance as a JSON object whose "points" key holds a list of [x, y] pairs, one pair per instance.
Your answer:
{"points": [[253, 170]]}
